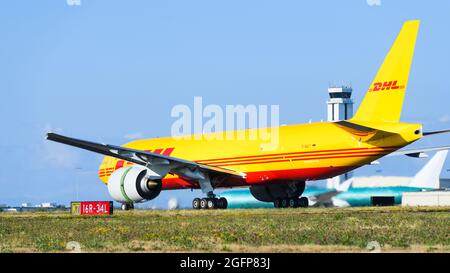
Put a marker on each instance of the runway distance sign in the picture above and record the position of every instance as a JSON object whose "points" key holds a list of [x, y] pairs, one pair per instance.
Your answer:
{"points": [[92, 208]]}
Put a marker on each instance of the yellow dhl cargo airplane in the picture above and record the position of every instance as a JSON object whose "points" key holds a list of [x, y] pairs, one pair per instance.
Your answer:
{"points": [[139, 170]]}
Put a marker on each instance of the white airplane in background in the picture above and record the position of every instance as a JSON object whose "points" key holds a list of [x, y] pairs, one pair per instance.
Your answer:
{"points": [[349, 193], [346, 194]]}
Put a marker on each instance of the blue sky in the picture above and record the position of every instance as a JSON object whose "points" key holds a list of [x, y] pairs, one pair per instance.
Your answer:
{"points": [[106, 70]]}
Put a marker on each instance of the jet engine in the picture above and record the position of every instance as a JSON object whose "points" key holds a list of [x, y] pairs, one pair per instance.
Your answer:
{"points": [[133, 185]]}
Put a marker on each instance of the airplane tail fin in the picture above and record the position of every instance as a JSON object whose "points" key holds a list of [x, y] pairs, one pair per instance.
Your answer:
{"points": [[384, 99], [429, 175]]}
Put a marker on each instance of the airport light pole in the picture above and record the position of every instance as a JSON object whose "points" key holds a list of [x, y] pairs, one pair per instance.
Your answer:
{"points": [[79, 171]]}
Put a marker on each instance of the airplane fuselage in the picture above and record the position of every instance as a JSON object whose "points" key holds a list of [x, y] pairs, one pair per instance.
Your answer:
{"points": [[294, 152]]}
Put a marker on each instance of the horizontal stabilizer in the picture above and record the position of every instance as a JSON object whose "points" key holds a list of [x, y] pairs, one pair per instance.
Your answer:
{"points": [[418, 155], [365, 133], [418, 152], [435, 132]]}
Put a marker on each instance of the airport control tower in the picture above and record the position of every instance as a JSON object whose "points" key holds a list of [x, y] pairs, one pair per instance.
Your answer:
{"points": [[340, 107]]}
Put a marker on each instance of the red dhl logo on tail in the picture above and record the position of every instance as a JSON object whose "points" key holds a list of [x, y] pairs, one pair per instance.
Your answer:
{"points": [[381, 86]]}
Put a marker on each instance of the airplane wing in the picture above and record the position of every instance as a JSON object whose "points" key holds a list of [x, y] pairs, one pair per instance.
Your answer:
{"points": [[178, 166], [421, 152]]}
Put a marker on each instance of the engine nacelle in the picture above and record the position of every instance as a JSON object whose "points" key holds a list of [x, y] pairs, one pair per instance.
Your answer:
{"points": [[132, 185]]}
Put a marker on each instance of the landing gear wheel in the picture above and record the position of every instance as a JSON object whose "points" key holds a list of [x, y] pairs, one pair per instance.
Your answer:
{"points": [[127, 206], [303, 202], [212, 203], [285, 202], [219, 203], [277, 203], [204, 203], [293, 202], [223, 203], [196, 203]]}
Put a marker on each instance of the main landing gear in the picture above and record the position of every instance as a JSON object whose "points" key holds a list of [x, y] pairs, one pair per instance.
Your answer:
{"points": [[301, 202], [210, 203]]}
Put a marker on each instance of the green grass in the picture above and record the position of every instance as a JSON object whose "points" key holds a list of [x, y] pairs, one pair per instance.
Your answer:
{"points": [[267, 230]]}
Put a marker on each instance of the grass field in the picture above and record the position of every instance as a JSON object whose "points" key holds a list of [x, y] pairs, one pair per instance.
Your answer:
{"points": [[250, 230]]}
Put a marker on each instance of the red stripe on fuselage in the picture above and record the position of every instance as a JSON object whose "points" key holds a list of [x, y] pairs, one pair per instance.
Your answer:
{"points": [[273, 156], [296, 158], [285, 157], [120, 163]]}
